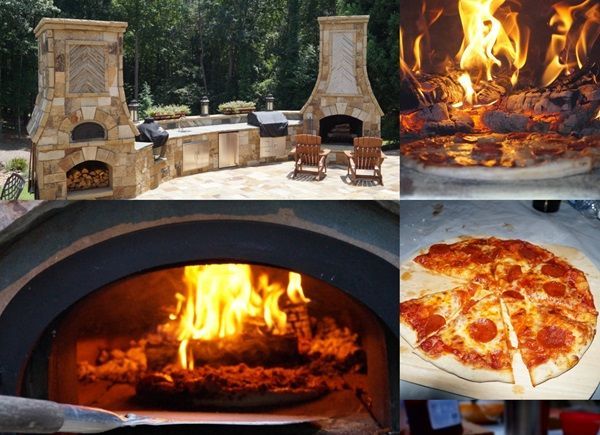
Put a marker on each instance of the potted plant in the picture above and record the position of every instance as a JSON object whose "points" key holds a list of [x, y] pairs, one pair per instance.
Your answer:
{"points": [[171, 111], [237, 107]]}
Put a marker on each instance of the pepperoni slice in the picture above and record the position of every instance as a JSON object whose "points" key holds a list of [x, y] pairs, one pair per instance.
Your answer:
{"points": [[433, 323], [554, 288], [514, 273], [512, 294], [553, 270], [440, 248], [527, 253], [483, 330], [554, 336]]}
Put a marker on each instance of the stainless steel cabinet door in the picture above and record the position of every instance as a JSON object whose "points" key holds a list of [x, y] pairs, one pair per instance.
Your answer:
{"points": [[195, 155], [228, 149]]}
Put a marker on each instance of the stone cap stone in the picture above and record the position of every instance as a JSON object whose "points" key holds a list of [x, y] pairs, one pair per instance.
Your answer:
{"points": [[75, 24], [345, 19]]}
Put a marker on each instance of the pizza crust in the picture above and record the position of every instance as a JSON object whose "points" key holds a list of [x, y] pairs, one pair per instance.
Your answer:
{"points": [[450, 364], [407, 333], [543, 171]]}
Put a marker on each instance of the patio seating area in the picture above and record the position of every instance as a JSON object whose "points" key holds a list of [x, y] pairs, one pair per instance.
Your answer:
{"points": [[275, 181]]}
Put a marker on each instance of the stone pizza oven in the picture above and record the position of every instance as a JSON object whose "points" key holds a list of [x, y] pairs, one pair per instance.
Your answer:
{"points": [[342, 105], [83, 139]]}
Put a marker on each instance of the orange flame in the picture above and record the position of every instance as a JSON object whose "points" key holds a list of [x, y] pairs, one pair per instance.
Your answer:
{"points": [[488, 33], [222, 302], [465, 81], [425, 21], [559, 57]]}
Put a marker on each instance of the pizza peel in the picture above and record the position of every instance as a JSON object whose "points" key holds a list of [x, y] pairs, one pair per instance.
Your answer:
{"points": [[22, 415], [578, 383]]}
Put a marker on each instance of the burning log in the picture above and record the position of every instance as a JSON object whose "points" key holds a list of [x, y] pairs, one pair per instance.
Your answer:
{"points": [[448, 89], [253, 350]]}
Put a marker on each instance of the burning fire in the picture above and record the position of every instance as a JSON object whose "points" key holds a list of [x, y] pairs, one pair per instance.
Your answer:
{"points": [[488, 33], [566, 49], [465, 82], [222, 302]]}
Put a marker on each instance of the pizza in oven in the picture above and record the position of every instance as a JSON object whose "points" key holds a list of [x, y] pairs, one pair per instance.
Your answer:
{"points": [[512, 288], [508, 157]]}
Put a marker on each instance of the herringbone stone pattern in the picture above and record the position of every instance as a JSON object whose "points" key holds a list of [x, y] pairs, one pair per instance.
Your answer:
{"points": [[87, 69]]}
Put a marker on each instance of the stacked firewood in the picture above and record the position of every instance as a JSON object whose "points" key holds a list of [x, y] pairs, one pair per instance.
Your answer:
{"points": [[85, 178]]}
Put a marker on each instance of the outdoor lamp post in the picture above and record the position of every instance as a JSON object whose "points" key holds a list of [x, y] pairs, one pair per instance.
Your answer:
{"points": [[204, 102], [270, 100], [133, 110]]}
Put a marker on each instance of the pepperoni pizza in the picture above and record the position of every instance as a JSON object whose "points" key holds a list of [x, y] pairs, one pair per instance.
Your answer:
{"points": [[509, 157], [516, 297]]}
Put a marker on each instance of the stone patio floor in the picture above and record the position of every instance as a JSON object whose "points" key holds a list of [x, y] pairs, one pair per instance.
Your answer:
{"points": [[275, 182]]}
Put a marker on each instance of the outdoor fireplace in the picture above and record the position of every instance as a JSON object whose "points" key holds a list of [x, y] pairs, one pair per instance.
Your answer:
{"points": [[343, 87], [525, 70], [119, 293], [340, 129]]}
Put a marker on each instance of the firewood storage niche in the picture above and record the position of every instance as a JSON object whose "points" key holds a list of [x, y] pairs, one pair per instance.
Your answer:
{"points": [[225, 337]]}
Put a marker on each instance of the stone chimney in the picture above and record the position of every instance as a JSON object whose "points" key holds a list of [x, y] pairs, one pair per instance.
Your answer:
{"points": [[342, 100]]}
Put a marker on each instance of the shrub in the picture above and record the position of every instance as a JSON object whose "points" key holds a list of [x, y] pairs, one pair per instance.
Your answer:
{"points": [[18, 164]]}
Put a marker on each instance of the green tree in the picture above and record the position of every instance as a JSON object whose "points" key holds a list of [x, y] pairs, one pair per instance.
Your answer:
{"points": [[18, 57]]}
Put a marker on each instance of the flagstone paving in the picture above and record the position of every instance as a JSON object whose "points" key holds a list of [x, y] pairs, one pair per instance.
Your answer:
{"points": [[275, 182]]}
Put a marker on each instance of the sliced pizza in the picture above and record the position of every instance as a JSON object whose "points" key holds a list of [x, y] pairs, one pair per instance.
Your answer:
{"points": [[421, 317], [474, 345], [550, 343]]}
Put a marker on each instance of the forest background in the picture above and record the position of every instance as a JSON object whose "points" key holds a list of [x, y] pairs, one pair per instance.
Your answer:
{"points": [[225, 49]]}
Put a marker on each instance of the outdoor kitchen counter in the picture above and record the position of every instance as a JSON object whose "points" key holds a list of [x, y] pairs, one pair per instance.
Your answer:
{"points": [[208, 129], [421, 227], [417, 185]]}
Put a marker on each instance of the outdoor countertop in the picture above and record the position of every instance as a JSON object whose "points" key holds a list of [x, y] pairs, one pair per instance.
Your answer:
{"points": [[207, 129], [420, 226], [417, 185]]}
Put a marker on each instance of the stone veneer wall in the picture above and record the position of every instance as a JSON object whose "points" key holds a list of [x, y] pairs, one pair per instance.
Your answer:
{"points": [[80, 78], [343, 86], [154, 174]]}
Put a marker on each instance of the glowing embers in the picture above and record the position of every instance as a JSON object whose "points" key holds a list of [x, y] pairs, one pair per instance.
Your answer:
{"points": [[225, 335], [577, 27], [223, 302], [485, 85]]}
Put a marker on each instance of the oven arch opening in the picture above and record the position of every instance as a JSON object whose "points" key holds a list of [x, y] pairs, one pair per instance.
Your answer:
{"points": [[88, 131]]}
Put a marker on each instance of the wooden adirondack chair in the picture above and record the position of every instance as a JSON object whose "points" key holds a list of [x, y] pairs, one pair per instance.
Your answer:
{"points": [[367, 156], [308, 153]]}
